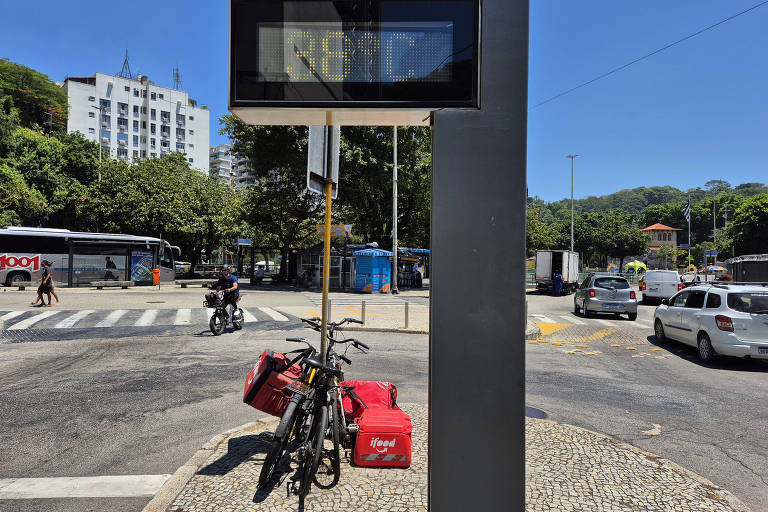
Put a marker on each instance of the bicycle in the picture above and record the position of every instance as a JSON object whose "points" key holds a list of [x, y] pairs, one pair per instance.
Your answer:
{"points": [[314, 414], [220, 316]]}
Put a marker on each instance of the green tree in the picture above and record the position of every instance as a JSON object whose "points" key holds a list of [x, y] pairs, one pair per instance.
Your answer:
{"points": [[748, 227], [19, 204], [40, 102], [278, 205], [538, 234]]}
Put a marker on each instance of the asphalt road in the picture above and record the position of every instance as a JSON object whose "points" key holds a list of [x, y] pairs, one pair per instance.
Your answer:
{"points": [[711, 419], [143, 405]]}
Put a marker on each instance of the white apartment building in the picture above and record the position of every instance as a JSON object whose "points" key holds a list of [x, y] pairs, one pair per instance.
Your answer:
{"points": [[229, 168], [135, 119]]}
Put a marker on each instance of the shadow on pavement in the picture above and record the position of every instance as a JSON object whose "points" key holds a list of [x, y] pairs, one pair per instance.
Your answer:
{"points": [[239, 450], [690, 353]]}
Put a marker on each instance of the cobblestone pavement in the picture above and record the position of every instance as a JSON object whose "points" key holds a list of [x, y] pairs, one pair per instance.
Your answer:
{"points": [[227, 481], [568, 469]]}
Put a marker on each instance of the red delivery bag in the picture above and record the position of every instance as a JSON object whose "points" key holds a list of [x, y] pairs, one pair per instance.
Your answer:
{"points": [[383, 439], [368, 394], [266, 381]]}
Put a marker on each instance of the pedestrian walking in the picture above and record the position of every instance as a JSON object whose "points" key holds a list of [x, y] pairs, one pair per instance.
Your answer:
{"points": [[53, 285], [45, 285], [557, 284]]}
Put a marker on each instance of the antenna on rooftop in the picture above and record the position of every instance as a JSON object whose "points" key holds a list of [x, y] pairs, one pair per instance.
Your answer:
{"points": [[176, 78], [126, 71]]}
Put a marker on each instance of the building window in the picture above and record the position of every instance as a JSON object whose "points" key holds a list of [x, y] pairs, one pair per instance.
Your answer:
{"points": [[127, 89], [191, 118], [144, 110], [191, 132], [135, 111], [135, 126], [179, 146], [143, 154], [91, 130], [136, 92], [106, 134], [122, 152], [191, 146], [105, 104], [106, 119], [152, 129], [153, 114], [180, 133], [143, 139], [152, 143], [164, 144], [161, 96], [143, 93], [135, 141], [154, 155], [91, 98], [153, 96], [122, 108], [135, 154], [165, 131], [165, 116], [91, 114], [191, 160]]}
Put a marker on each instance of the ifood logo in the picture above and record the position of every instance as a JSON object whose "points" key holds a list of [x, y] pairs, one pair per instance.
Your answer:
{"points": [[381, 446], [7, 261]]}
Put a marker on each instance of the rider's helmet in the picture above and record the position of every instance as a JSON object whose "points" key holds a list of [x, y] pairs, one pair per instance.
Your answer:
{"points": [[226, 269]]}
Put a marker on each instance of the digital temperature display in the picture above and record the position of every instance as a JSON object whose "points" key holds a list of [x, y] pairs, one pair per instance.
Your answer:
{"points": [[354, 53], [313, 52]]}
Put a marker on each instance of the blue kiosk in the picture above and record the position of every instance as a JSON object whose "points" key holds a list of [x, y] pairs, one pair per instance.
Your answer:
{"points": [[373, 270]]}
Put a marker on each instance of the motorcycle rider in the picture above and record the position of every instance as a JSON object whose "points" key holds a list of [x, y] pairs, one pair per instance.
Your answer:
{"points": [[229, 284]]}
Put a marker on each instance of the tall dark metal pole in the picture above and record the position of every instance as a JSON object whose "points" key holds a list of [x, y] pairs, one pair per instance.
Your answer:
{"points": [[477, 420]]}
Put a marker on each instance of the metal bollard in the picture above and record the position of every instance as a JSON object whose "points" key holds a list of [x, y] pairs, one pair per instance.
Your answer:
{"points": [[406, 314], [362, 319]]}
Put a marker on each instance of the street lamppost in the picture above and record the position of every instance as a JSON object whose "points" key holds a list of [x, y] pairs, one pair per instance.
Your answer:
{"points": [[572, 157]]}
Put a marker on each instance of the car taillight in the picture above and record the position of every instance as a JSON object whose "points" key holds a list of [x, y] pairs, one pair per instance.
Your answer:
{"points": [[643, 287], [679, 286], [724, 323], [591, 293], [632, 295]]}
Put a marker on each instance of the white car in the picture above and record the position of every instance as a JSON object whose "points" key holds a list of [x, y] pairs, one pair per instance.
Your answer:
{"points": [[659, 285], [719, 319]]}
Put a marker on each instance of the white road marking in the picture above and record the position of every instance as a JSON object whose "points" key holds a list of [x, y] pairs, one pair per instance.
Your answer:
{"points": [[183, 317], [31, 320], [248, 316], [112, 318], [70, 321], [573, 320], [81, 487], [605, 322], [12, 314], [147, 317], [278, 317], [545, 319]]}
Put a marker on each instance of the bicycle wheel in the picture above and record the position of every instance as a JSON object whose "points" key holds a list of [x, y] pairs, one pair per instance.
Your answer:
{"points": [[217, 324], [279, 443], [329, 467], [313, 447]]}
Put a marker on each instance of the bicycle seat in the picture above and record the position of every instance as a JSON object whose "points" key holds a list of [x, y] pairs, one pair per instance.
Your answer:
{"points": [[314, 362]]}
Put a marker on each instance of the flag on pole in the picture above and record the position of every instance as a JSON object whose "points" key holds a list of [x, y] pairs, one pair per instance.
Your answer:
{"points": [[687, 211]]}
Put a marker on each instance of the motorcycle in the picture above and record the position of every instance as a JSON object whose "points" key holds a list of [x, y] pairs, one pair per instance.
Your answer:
{"points": [[220, 316]]}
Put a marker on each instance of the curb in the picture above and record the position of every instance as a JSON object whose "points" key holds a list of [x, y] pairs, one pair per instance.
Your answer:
{"points": [[176, 483], [532, 331], [726, 495], [385, 329]]}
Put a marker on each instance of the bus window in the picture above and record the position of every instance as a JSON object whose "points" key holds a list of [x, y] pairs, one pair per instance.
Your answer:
{"points": [[166, 258]]}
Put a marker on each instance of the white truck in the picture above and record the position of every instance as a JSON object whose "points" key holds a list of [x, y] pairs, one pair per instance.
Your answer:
{"points": [[564, 262]]}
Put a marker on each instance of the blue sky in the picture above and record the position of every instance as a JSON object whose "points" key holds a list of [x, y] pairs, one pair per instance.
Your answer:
{"points": [[696, 112]]}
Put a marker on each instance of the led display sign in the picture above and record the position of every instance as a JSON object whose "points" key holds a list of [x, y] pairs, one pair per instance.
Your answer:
{"points": [[354, 54]]}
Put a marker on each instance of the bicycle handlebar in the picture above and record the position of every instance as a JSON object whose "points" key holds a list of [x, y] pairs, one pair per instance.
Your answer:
{"points": [[300, 340]]}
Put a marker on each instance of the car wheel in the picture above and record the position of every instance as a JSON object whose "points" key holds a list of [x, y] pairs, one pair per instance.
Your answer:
{"points": [[658, 330], [587, 313], [576, 309], [632, 317], [706, 351]]}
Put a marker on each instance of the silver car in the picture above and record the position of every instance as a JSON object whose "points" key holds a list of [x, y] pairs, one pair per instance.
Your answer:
{"points": [[605, 294]]}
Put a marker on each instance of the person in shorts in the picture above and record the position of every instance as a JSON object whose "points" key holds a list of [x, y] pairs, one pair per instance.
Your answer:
{"points": [[229, 284], [46, 285]]}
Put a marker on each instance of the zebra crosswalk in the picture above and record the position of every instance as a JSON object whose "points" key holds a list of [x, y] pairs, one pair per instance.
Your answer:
{"points": [[87, 318], [574, 320], [351, 299]]}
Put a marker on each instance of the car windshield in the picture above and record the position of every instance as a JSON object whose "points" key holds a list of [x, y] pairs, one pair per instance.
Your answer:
{"points": [[615, 283], [751, 302]]}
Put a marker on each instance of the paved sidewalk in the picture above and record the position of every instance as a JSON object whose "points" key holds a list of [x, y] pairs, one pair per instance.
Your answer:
{"points": [[568, 469]]}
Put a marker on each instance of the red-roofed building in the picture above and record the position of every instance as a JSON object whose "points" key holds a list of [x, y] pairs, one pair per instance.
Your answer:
{"points": [[659, 236]]}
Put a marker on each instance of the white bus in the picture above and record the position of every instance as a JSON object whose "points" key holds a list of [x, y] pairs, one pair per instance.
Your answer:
{"points": [[79, 258]]}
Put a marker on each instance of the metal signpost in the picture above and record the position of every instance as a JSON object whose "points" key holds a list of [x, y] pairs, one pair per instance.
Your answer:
{"points": [[417, 62]]}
